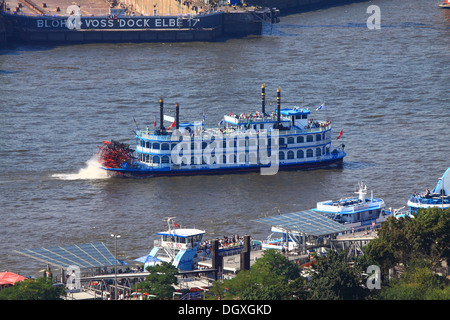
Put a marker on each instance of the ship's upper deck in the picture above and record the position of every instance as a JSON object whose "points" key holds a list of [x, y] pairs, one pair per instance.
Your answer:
{"points": [[182, 233], [351, 205], [294, 121]]}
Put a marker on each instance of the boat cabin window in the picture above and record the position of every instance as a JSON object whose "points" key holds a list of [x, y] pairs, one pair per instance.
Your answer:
{"points": [[318, 152], [165, 159]]}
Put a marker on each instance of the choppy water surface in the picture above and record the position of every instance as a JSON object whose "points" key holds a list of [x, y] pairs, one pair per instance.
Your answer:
{"points": [[387, 89]]}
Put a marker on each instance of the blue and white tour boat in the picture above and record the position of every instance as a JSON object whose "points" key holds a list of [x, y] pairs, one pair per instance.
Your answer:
{"points": [[267, 142], [355, 213], [439, 197], [176, 245]]}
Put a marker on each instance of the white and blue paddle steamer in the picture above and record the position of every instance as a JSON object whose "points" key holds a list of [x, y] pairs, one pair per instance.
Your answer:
{"points": [[280, 140]]}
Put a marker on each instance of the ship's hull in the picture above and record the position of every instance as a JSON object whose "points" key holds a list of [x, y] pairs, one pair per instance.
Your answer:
{"points": [[331, 163], [113, 29]]}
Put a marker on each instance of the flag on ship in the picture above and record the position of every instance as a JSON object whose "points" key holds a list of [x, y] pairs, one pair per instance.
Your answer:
{"points": [[340, 134]]}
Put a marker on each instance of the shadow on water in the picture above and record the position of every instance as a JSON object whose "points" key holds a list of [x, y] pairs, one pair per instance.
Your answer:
{"points": [[318, 6], [357, 25], [357, 165], [7, 71], [280, 29]]}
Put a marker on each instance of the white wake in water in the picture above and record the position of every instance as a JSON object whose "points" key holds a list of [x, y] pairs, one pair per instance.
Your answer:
{"points": [[92, 171]]}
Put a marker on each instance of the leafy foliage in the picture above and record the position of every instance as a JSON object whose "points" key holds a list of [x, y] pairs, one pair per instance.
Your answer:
{"points": [[405, 240], [333, 279], [30, 289], [418, 283], [272, 277], [160, 281]]}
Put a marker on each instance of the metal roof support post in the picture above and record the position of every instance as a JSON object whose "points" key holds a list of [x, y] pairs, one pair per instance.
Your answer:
{"points": [[304, 242]]}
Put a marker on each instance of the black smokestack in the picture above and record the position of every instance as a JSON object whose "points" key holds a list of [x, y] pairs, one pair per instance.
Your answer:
{"points": [[278, 108], [263, 98], [161, 115], [177, 116]]}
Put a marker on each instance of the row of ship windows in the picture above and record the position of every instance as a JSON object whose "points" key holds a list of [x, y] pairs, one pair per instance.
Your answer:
{"points": [[243, 157], [233, 143]]}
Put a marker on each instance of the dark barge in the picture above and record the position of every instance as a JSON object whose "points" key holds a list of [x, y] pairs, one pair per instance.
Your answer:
{"points": [[72, 29]]}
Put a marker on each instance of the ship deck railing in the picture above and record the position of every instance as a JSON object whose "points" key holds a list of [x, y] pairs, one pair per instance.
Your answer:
{"points": [[431, 199], [228, 131], [239, 164]]}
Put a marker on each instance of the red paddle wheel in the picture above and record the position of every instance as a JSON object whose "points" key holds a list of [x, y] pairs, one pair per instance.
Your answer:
{"points": [[114, 154]]}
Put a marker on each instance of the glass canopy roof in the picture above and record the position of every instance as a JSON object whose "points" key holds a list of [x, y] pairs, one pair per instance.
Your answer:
{"points": [[88, 255], [309, 222]]}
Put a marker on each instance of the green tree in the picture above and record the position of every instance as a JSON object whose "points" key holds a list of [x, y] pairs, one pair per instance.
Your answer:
{"points": [[160, 281], [417, 283], [31, 289], [333, 279], [405, 240], [272, 276]]}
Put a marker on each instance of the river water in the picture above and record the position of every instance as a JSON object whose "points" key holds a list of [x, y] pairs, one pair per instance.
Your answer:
{"points": [[387, 89]]}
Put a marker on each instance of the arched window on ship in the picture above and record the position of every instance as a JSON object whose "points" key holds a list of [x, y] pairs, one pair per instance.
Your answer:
{"points": [[252, 158], [318, 152], [165, 159]]}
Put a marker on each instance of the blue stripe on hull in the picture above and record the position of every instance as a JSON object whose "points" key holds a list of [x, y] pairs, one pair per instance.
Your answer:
{"points": [[192, 172]]}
